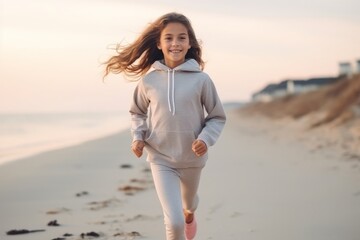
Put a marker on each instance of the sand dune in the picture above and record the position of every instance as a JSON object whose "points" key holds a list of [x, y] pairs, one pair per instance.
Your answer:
{"points": [[328, 117]]}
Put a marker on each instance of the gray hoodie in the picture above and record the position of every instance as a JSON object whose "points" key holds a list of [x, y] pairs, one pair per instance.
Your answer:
{"points": [[182, 105]]}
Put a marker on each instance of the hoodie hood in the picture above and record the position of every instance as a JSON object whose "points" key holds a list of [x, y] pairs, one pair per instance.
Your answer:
{"points": [[190, 65]]}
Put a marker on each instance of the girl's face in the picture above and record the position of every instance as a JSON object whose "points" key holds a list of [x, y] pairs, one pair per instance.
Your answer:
{"points": [[174, 43]]}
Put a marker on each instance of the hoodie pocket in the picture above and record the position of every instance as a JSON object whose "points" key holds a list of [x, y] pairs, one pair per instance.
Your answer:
{"points": [[176, 145]]}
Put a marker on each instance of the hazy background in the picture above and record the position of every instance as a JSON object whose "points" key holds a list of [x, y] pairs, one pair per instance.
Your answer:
{"points": [[51, 51]]}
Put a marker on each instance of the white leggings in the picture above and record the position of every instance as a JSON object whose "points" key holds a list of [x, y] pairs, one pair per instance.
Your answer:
{"points": [[177, 192]]}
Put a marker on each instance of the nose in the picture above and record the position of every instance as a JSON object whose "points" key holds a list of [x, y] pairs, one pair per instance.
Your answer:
{"points": [[175, 42]]}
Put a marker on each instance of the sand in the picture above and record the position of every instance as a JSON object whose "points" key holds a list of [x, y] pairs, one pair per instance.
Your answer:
{"points": [[262, 181]]}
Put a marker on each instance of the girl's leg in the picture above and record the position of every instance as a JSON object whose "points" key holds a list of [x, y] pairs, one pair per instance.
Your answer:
{"points": [[167, 184], [190, 179]]}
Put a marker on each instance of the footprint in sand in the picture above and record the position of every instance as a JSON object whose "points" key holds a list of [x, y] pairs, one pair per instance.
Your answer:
{"points": [[83, 193], [53, 223], [136, 185], [126, 166], [58, 211], [130, 189], [130, 234], [97, 205]]}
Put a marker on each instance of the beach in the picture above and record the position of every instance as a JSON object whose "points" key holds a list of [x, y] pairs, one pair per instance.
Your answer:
{"points": [[263, 180]]}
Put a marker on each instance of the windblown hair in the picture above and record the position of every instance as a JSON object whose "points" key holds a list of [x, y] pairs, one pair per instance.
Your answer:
{"points": [[135, 59]]}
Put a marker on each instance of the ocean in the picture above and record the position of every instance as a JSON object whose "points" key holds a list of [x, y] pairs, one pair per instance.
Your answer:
{"points": [[23, 135]]}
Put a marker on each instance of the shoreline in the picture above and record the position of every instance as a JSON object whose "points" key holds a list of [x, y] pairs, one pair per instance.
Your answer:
{"points": [[56, 145], [26, 134], [258, 183]]}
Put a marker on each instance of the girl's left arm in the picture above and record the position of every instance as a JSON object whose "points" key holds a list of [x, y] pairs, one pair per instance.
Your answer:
{"points": [[216, 118]]}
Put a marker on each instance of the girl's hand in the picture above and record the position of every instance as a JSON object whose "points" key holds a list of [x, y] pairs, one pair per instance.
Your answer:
{"points": [[199, 148], [137, 147]]}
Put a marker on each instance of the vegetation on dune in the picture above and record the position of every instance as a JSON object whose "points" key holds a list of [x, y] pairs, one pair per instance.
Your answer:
{"points": [[339, 101]]}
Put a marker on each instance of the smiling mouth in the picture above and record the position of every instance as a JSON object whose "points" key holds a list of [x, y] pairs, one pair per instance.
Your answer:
{"points": [[175, 51]]}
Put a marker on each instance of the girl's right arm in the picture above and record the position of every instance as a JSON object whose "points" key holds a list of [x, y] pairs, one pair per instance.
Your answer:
{"points": [[138, 111]]}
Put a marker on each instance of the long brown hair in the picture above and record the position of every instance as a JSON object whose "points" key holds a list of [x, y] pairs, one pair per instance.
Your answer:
{"points": [[136, 58]]}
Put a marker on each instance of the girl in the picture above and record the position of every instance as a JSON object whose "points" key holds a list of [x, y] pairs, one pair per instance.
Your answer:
{"points": [[167, 115]]}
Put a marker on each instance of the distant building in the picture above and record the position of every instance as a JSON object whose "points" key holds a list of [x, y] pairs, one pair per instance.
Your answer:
{"points": [[358, 66], [345, 69], [290, 86]]}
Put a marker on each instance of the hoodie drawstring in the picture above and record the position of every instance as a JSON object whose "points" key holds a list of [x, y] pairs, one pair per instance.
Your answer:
{"points": [[171, 93]]}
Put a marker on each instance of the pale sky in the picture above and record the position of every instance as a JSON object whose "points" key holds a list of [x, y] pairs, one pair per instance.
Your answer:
{"points": [[51, 50]]}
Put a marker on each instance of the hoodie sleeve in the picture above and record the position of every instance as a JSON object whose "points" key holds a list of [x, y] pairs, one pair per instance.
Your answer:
{"points": [[138, 112], [216, 118]]}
